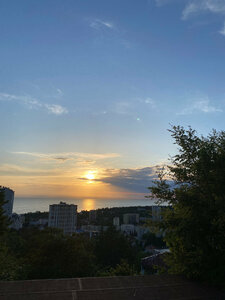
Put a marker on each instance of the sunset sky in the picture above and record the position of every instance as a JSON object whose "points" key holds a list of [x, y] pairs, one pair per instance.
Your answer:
{"points": [[88, 89]]}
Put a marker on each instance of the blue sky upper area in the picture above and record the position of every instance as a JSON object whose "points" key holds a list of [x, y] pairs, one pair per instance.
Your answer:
{"points": [[92, 86]]}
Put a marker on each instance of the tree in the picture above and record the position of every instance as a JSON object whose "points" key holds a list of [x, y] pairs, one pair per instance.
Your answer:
{"points": [[4, 221], [112, 247], [195, 226], [122, 269], [50, 254], [9, 266]]}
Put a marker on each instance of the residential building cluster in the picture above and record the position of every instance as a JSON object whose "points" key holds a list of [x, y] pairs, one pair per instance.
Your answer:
{"points": [[64, 216]]}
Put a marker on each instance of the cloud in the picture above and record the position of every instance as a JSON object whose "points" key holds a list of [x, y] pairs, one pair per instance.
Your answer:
{"points": [[28, 101], [123, 108], [149, 101], [59, 91], [56, 109], [33, 103], [64, 156], [15, 170], [200, 106], [196, 7], [99, 24], [222, 31], [133, 106], [136, 180]]}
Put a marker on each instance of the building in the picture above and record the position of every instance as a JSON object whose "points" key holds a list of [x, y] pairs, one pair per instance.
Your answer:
{"points": [[92, 215], [9, 200], [131, 219], [128, 229], [141, 230], [40, 223], [63, 216], [116, 221], [16, 221]]}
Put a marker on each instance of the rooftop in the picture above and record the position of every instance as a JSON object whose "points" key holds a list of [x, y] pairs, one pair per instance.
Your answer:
{"points": [[152, 287]]}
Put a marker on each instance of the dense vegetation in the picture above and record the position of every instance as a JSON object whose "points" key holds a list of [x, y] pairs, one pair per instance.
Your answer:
{"points": [[195, 226], [32, 253]]}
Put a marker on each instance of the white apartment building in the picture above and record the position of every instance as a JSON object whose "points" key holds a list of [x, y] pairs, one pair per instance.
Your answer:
{"points": [[9, 199], [63, 216]]}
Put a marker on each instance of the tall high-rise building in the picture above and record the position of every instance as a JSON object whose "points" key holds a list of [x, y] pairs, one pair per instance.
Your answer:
{"points": [[63, 216], [9, 199]]}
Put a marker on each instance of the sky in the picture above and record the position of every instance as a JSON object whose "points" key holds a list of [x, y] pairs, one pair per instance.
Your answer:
{"points": [[89, 88]]}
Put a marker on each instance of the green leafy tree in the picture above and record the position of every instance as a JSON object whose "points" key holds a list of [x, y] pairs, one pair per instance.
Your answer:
{"points": [[9, 267], [4, 221], [50, 254], [195, 226], [112, 247], [122, 269]]}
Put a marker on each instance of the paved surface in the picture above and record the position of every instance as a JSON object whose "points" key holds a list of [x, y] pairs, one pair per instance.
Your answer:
{"points": [[163, 287]]}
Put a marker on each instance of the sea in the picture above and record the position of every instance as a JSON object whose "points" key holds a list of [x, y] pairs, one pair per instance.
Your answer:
{"points": [[25, 205]]}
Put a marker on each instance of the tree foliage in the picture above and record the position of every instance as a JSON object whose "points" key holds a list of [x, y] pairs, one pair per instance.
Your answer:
{"points": [[112, 246], [195, 226], [4, 221]]}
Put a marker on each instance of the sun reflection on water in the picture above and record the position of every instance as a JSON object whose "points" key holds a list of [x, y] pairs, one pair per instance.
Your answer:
{"points": [[88, 204]]}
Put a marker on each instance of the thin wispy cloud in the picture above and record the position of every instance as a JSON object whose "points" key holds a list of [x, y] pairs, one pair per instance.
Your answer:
{"points": [[64, 156], [132, 106], [200, 106], [16, 170], [108, 31], [33, 103], [149, 101], [59, 91], [197, 7], [100, 24], [194, 8], [56, 109], [222, 31]]}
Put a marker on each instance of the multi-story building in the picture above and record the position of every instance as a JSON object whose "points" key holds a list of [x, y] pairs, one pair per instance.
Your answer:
{"points": [[131, 219], [63, 216], [92, 215], [9, 199], [116, 221]]}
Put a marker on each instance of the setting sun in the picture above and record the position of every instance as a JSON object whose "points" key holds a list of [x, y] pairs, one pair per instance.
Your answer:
{"points": [[90, 175]]}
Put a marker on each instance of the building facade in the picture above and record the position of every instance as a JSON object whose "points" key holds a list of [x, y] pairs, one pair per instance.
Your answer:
{"points": [[131, 219], [9, 200], [63, 216]]}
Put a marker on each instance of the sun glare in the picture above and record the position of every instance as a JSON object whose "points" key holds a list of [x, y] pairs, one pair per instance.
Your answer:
{"points": [[90, 175]]}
